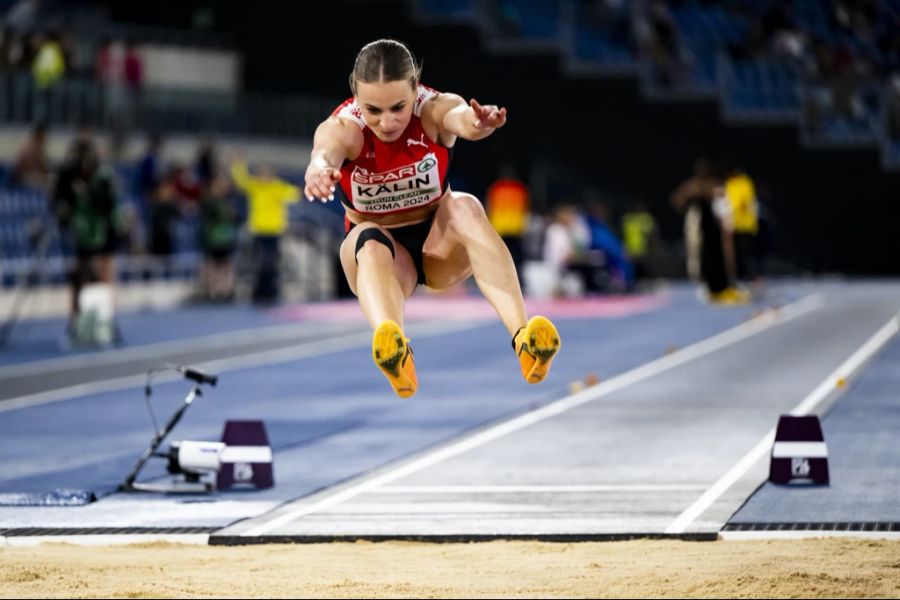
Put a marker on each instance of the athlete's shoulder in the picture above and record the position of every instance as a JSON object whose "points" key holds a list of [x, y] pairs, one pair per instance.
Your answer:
{"points": [[350, 110], [423, 95]]}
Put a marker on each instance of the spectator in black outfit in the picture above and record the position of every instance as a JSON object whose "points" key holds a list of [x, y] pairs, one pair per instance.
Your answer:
{"points": [[206, 165], [164, 213], [219, 229], [85, 201], [702, 200]]}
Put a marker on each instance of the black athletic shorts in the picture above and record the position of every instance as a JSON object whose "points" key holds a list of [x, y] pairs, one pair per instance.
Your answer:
{"points": [[411, 237]]}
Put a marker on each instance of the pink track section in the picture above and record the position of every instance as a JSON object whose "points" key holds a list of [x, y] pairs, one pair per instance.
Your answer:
{"points": [[426, 306]]}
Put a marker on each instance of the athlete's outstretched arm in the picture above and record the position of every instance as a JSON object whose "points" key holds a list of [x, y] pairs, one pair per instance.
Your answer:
{"points": [[471, 121], [336, 140]]}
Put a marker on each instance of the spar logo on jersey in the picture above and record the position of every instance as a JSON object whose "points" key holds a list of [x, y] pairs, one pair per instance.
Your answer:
{"points": [[405, 187]]}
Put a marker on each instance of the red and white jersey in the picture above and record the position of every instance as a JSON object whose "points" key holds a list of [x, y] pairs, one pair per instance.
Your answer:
{"points": [[394, 177]]}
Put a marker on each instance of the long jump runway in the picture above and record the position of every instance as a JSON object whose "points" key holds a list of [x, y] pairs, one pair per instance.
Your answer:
{"points": [[673, 441]]}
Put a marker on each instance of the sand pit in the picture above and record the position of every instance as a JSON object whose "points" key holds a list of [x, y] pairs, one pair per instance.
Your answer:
{"points": [[802, 568]]}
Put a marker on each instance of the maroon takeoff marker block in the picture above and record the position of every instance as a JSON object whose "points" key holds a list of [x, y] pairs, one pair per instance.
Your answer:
{"points": [[799, 455], [247, 458]]}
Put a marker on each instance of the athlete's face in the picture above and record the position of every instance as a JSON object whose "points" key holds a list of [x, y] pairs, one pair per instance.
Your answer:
{"points": [[387, 107]]}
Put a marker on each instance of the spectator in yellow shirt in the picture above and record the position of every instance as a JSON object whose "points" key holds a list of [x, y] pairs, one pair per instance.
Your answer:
{"points": [[47, 69], [267, 215], [639, 234], [741, 195]]}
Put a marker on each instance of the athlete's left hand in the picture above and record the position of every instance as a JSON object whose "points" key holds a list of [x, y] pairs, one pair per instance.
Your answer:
{"points": [[488, 116]]}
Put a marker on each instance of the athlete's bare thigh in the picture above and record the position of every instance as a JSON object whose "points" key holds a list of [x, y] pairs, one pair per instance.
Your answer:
{"points": [[404, 268], [446, 260]]}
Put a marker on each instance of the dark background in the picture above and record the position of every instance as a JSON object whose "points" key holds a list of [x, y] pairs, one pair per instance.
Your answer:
{"points": [[834, 210]]}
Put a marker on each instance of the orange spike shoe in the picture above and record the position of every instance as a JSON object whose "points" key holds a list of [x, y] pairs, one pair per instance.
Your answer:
{"points": [[392, 354], [536, 344]]}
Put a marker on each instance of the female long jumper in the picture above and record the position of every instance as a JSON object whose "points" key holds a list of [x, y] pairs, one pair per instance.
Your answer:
{"points": [[389, 148]]}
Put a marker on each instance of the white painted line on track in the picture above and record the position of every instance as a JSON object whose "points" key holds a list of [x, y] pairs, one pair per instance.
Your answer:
{"points": [[538, 489], [307, 349], [688, 353], [106, 539], [115, 356], [807, 405], [743, 536]]}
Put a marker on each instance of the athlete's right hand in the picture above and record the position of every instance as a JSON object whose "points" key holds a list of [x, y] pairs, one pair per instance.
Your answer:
{"points": [[320, 181]]}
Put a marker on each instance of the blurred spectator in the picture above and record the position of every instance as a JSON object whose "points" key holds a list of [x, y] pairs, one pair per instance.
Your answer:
{"points": [[741, 194], [566, 256], [187, 187], [32, 168], [267, 198], [85, 202], [47, 68], [710, 252], [206, 165], [618, 268], [639, 233], [219, 231], [147, 173], [507, 209], [164, 212], [786, 40], [559, 247]]}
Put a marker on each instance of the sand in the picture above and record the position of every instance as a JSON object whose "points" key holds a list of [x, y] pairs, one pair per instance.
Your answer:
{"points": [[802, 568]]}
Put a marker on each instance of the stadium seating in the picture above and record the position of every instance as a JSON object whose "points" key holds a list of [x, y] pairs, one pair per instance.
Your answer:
{"points": [[599, 36]]}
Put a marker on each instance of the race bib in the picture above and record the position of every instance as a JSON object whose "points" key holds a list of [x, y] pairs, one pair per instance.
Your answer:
{"points": [[402, 188]]}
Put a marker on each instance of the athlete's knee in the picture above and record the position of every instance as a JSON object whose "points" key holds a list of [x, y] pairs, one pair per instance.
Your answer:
{"points": [[372, 241], [466, 212]]}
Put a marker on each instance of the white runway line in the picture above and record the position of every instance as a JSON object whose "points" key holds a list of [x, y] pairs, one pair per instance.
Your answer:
{"points": [[537, 489], [730, 336], [307, 349], [116, 356], [828, 385]]}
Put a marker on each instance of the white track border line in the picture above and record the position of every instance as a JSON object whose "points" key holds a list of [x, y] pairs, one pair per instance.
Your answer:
{"points": [[822, 391], [688, 353], [347, 341], [113, 356], [540, 489]]}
